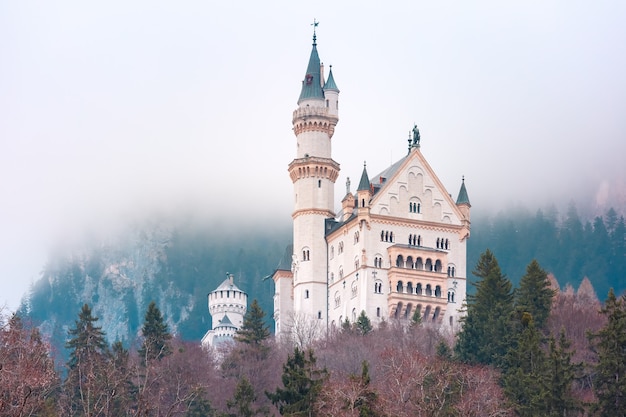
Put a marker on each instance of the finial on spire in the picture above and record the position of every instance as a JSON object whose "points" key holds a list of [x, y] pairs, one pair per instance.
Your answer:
{"points": [[348, 186], [314, 24], [463, 178]]}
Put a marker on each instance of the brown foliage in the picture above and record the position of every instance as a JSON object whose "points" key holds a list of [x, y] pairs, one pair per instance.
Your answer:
{"points": [[27, 375]]}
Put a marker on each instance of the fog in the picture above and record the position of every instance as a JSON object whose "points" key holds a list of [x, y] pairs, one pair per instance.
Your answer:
{"points": [[113, 111]]}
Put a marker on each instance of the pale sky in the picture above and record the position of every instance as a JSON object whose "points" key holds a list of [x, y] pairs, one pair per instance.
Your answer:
{"points": [[109, 109]]}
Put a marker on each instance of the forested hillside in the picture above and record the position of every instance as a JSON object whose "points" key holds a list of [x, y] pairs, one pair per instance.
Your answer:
{"points": [[176, 266], [567, 245]]}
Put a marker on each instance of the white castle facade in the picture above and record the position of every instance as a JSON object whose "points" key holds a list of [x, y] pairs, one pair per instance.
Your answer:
{"points": [[227, 306], [397, 244]]}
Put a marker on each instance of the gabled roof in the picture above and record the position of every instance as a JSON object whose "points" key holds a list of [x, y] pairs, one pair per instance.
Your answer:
{"points": [[312, 84]]}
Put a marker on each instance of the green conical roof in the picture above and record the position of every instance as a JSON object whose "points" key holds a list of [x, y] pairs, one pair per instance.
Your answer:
{"points": [[463, 198], [364, 184], [312, 84], [330, 82]]}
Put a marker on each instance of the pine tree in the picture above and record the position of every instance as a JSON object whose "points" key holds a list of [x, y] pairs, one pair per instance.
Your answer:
{"points": [[416, 318], [243, 401], [302, 383], [534, 295], [560, 376], [523, 379], [366, 402], [253, 330], [363, 324], [86, 388], [484, 337], [156, 336], [610, 345]]}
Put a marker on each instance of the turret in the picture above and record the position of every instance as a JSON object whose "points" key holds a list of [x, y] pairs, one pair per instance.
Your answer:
{"points": [[364, 192]]}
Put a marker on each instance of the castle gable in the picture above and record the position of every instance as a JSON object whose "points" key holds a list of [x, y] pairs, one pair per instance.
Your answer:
{"points": [[411, 189]]}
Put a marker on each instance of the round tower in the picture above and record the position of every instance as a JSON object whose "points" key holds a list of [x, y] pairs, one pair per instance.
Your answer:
{"points": [[227, 306], [313, 173]]}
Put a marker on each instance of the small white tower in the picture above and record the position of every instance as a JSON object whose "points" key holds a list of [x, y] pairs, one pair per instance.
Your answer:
{"points": [[227, 306]]}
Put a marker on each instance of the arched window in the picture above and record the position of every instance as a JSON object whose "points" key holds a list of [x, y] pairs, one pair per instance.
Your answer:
{"points": [[356, 237], [409, 262], [377, 311], [340, 249], [437, 243], [337, 299], [418, 289], [332, 277], [354, 315], [306, 293], [409, 287], [400, 261], [419, 241], [419, 264], [340, 273], [429, 290], [400, 287], [438, 266], [436, 313], [438, 291], [354, 289], [407, 312], [419, 207], [319, 314], [429, 264]]}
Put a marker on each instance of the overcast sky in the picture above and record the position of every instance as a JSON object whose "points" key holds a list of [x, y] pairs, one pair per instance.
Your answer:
{"points": [[109, 109]]}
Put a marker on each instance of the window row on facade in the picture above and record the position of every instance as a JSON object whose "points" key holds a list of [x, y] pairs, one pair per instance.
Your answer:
{"points": [[419, 289]]}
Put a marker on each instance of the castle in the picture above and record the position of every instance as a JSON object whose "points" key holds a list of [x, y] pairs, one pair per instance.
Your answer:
{"points": [[397, 245]]}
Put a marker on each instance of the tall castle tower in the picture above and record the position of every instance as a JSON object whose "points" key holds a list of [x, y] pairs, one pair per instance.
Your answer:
{"points": [[227, 306], [313, 173]]}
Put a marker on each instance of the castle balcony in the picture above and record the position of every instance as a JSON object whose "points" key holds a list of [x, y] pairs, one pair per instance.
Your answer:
{"points": [[411, 289]]}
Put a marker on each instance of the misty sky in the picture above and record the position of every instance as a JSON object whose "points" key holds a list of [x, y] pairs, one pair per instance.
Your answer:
{"points": [[110, 109]]}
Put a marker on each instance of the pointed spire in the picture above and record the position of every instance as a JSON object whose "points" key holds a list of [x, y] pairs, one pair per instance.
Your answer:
{"points": [[312, 84], [364, 184], [330, 83], [463, 198]]}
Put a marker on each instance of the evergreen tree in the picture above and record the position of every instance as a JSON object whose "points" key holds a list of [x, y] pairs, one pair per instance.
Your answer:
{"points": [[253, 330], [443, 350], [243, 401], [534, 295], [560, 376], [484, 337], [416, 318], [366, 402], [199, 406], [86, 388], [156, 336], [363, 324], [610, 345], [302, 383], [524, 374]]}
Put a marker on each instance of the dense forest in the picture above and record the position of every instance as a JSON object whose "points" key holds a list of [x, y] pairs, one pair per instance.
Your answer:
{"points": [[526, 350]]}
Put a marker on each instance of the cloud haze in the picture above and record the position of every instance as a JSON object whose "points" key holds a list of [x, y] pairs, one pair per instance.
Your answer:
{"points": [[114, 109]]}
